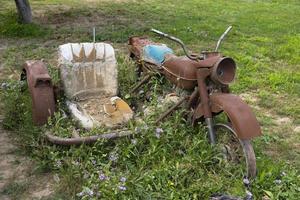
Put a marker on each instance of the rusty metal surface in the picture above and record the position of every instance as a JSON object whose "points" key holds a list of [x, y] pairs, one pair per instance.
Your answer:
{"points": [[183, 72], [203, 108], [136, 45], [223, 71], [240, 114], [41, 91], [201, 76], [77, 140]]}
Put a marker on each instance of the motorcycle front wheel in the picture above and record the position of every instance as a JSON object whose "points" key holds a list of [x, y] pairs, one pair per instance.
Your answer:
{"points": [[236, 151]]}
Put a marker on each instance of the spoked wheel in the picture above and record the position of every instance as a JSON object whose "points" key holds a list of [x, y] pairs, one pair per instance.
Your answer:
{"points": [[236, 151]]}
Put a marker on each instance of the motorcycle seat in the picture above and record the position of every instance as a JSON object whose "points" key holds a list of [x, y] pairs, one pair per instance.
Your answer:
{"points": [[156, 53]]}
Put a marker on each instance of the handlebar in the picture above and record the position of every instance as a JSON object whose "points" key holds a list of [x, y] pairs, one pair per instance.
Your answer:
{"points": [[183, 45], [222, 37], [177, 41]]}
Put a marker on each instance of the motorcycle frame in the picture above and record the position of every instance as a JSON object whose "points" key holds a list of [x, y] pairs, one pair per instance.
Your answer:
{"points": [[206, 107]]}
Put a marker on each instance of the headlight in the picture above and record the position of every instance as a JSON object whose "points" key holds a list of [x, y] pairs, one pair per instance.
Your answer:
{"points": [[224, 71]]}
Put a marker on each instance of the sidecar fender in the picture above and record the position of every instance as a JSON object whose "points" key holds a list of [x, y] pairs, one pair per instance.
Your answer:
{"points": [[41, 90], [240, 114]]}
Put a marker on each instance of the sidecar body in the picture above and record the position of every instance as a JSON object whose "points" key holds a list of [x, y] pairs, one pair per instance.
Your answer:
{"points": [[88, 73], [89, 77]]}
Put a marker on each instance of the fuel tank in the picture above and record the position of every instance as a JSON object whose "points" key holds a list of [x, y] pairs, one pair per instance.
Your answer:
{"points": [[182, 71]]}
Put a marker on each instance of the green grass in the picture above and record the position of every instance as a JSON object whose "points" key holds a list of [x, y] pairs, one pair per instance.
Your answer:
{"points": [[15, 189], [180, 164], [9, 27]]}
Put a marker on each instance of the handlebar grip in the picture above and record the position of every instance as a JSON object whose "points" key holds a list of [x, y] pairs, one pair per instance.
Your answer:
{"points": [[167, 36], [157, 32]]}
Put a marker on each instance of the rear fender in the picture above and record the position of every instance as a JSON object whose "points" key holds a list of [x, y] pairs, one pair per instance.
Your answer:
{"points": [[240, 114]]}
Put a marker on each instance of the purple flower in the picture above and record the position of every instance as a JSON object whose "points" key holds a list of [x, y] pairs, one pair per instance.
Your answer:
{"points": [[113, 156], [102, 177], [158, 131], [94, 162], [80, 194], [123, 179], [122, 187], [86, 191], [89, 192]]}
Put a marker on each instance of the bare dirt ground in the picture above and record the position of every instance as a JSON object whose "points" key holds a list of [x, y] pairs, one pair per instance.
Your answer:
{"points": [[17, 177]]}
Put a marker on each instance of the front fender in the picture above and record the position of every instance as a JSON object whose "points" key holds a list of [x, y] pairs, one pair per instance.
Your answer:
{"points": [[240, 114]]}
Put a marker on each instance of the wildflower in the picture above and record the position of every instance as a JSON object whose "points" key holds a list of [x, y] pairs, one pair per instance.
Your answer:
{"points": [[89, 192], [249, 195], [246, 181], [134, 141], [283, 174], [277, 181], [102, 176], [58, 164], [85, 191], [122, 187], [94, 162], [123, 179], [113, 156], [80, 194], [158, 131]]}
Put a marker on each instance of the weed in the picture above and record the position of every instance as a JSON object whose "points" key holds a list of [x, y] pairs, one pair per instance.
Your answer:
{"points": [[15, 189]]}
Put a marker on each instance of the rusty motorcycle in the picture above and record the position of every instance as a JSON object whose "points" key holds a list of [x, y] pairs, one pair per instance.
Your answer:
{"points": [[207, 77]]}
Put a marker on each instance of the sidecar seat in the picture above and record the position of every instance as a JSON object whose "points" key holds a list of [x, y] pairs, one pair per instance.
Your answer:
{"points": [[89, 77]]}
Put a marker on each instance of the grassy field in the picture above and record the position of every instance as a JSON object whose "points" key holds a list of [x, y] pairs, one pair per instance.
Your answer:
{"points": [[180, 164]]}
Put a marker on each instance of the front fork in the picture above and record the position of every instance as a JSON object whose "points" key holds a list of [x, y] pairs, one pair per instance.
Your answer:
{"points": [[202, 73]]}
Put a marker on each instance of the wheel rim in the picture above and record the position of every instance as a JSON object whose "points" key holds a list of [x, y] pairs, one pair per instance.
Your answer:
{"points": [[237, 150]]}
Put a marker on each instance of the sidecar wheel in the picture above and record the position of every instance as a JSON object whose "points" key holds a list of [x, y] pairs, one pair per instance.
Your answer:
{"points": [[238, 151]]}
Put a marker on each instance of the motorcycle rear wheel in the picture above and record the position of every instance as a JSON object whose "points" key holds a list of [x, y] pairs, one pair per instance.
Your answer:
{"points": [[236, 151]]}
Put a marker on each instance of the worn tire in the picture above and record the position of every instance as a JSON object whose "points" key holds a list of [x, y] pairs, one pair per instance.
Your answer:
{"points": [[245, 145]]}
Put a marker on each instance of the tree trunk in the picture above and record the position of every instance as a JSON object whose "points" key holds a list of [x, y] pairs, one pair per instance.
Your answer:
{"points": [[24, 11]]}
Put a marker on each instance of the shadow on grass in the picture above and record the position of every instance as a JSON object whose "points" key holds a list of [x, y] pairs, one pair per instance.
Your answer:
{"points": [[9, 27]]}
